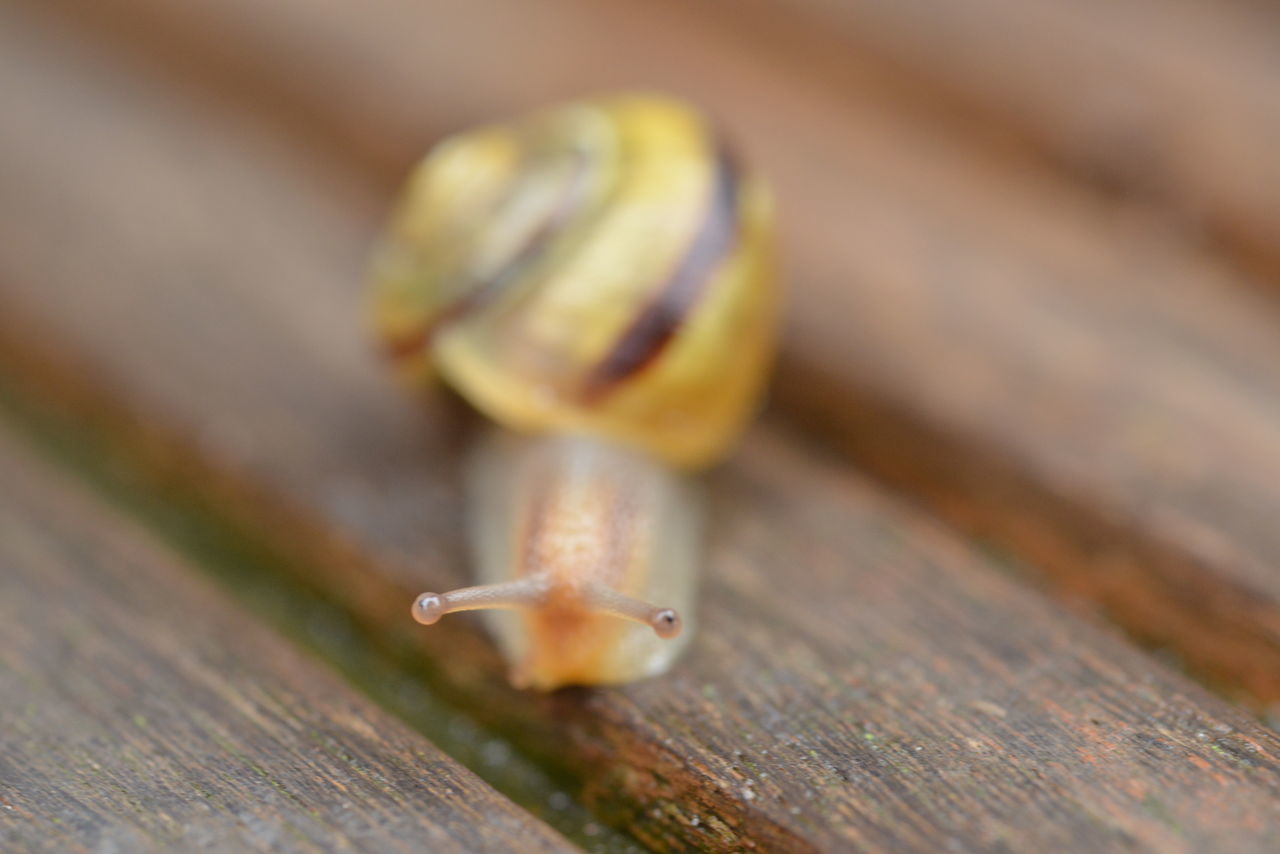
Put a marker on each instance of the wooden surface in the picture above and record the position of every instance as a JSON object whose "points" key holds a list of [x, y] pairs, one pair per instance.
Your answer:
{"points": [[866, 679], [140, 711], [1055, 374], [1167, 103]]}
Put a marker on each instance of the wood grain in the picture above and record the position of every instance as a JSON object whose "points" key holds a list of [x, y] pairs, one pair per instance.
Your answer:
{"points": [[1171, 103], [1067, 382], [864, 679], [143, 712]]}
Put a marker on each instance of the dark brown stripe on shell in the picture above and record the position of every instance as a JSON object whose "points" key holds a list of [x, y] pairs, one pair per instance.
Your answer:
{"points": [[483, 291], [658, 321], [407, 346]]}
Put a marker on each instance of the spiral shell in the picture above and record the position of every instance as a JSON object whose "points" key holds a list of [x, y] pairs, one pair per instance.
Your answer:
{"points": [[603, 267]]}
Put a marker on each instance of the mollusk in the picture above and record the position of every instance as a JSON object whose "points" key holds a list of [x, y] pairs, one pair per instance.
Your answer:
{"points": [[598, 280]]}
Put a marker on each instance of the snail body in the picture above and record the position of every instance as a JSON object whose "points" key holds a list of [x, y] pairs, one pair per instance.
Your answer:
{"points": [[592, 531], [597, 279]]}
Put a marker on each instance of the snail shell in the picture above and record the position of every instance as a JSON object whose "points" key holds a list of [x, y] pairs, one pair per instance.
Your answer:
{"points": [[600, 276], [601, 268]]}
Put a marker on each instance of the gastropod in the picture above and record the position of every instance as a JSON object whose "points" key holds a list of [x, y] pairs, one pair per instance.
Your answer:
{"points": [[598, 280]]}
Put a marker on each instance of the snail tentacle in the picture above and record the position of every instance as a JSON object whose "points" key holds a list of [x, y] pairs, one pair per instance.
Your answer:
{"points": [[428, 608], [665, 622]]}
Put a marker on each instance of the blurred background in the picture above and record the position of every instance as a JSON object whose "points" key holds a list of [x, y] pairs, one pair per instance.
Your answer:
{"points": [[1031, 251]]}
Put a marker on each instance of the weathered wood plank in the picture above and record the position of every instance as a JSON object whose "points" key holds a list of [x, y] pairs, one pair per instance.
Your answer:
{"points": [[1170, 102], [1072, 386], [140, 711], [863, 679]]}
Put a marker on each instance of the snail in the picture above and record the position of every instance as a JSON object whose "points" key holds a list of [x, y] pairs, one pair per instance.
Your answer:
{"points": [[597, 279]]}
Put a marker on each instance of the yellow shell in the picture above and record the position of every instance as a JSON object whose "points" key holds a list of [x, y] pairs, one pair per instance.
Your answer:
{"points": [[604, 267]]}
